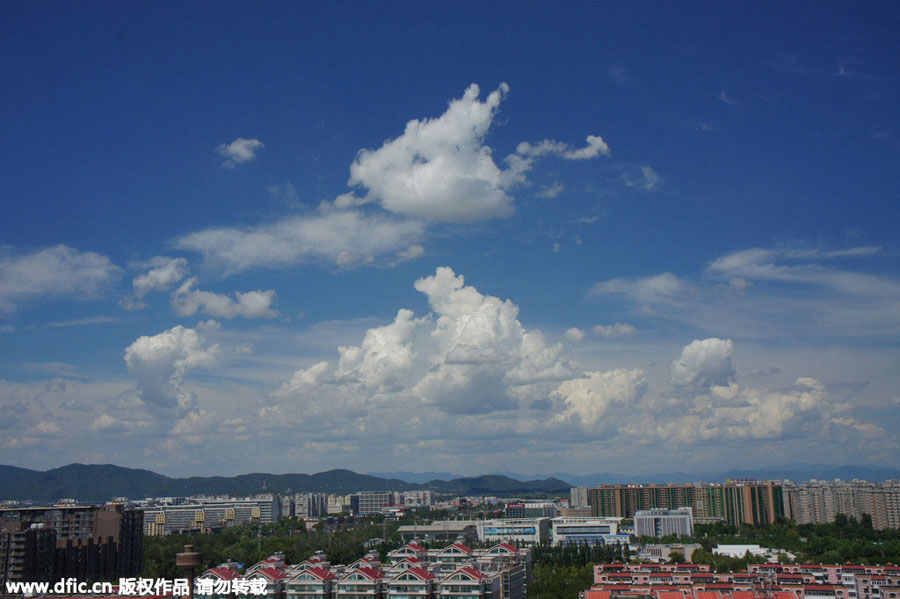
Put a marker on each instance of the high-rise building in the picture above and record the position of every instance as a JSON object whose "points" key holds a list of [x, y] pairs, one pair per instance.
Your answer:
{"points": [[735, 502], [90, 542]]}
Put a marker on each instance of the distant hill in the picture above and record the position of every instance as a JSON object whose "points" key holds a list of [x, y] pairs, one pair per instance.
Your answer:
{"points": [[102, 482]]}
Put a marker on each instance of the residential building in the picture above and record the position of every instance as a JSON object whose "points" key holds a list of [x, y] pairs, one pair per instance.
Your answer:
{"points": [[662, 522]]}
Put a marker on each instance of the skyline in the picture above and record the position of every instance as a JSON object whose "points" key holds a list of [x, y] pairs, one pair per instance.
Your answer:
{"points": [[393, 237]]}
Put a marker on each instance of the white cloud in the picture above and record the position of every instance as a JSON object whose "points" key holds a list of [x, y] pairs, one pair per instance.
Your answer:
{"points": [[731, 412], [440, 170], [611, 331], [53, 271], [187, 300], [595, 147], [551, 191], [239, 151], [664, 288], [703, 363], [159, 363], [588, 398], [104, 422], [162, 274], [471, 355], [647, 179], [575, 335], [773, 293], [337, 237]]}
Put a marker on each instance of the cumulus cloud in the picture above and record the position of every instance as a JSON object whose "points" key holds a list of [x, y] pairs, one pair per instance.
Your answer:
{"points": [[574, 334], [239, 151], [470, 355], [440, 170], [703, 363], [343, 238], [611, 331], [163, 273], [588, 398], [187, 300], [732, 412], [158, 364], [53, 271]]}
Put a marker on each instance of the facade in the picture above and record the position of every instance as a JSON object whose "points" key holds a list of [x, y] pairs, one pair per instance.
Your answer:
{"points": [[28, 555], [593, 531], [821, 502], [441, 531], [310, 505], [522, 531], [208, 513], [578, 497], [531, 509], [662, 522], [88, 542], [736, 502], [760, 581], [373, 502]]}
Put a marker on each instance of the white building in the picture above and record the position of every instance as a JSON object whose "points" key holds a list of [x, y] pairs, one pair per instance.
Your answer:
{"points": [[661, 522]]}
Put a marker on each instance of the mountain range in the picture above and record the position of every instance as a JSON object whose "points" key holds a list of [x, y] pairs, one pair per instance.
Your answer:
{"points": [[101, 482]]}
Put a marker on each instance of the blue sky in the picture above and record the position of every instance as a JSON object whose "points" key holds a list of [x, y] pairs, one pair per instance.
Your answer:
{"points": [[459, 237]]}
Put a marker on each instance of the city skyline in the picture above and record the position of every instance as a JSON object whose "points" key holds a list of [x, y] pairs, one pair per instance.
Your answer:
{"points": [[291, 238]]}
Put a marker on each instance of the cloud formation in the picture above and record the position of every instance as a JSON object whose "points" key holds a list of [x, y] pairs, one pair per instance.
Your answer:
{"points": [[330, 236], [440, 170], [158, 364], [239, 151], [611, 331], [54, 271], [163, 273], [187, 300]]}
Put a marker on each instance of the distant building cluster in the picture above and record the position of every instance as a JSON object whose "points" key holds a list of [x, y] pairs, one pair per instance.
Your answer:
{"points": [[86, 542], [749, 502], [522, 531], [759, 581], [412, 571], [168, 515], [741, 502], [822, 501]]}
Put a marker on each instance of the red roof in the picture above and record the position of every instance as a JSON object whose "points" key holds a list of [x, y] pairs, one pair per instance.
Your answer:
{"points": [[321, 573], [420, 573], [509, 547], [412, 560], [270, 573], [473, 572], [415, 547], [223, 573], [670, 595], [707, 594], [370, 573], [744, 595], [461, 547]]}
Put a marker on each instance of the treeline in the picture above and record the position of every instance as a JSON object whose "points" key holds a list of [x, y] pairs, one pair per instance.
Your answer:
{"points": [[562, 572], [844, 540], [344, 542]]}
